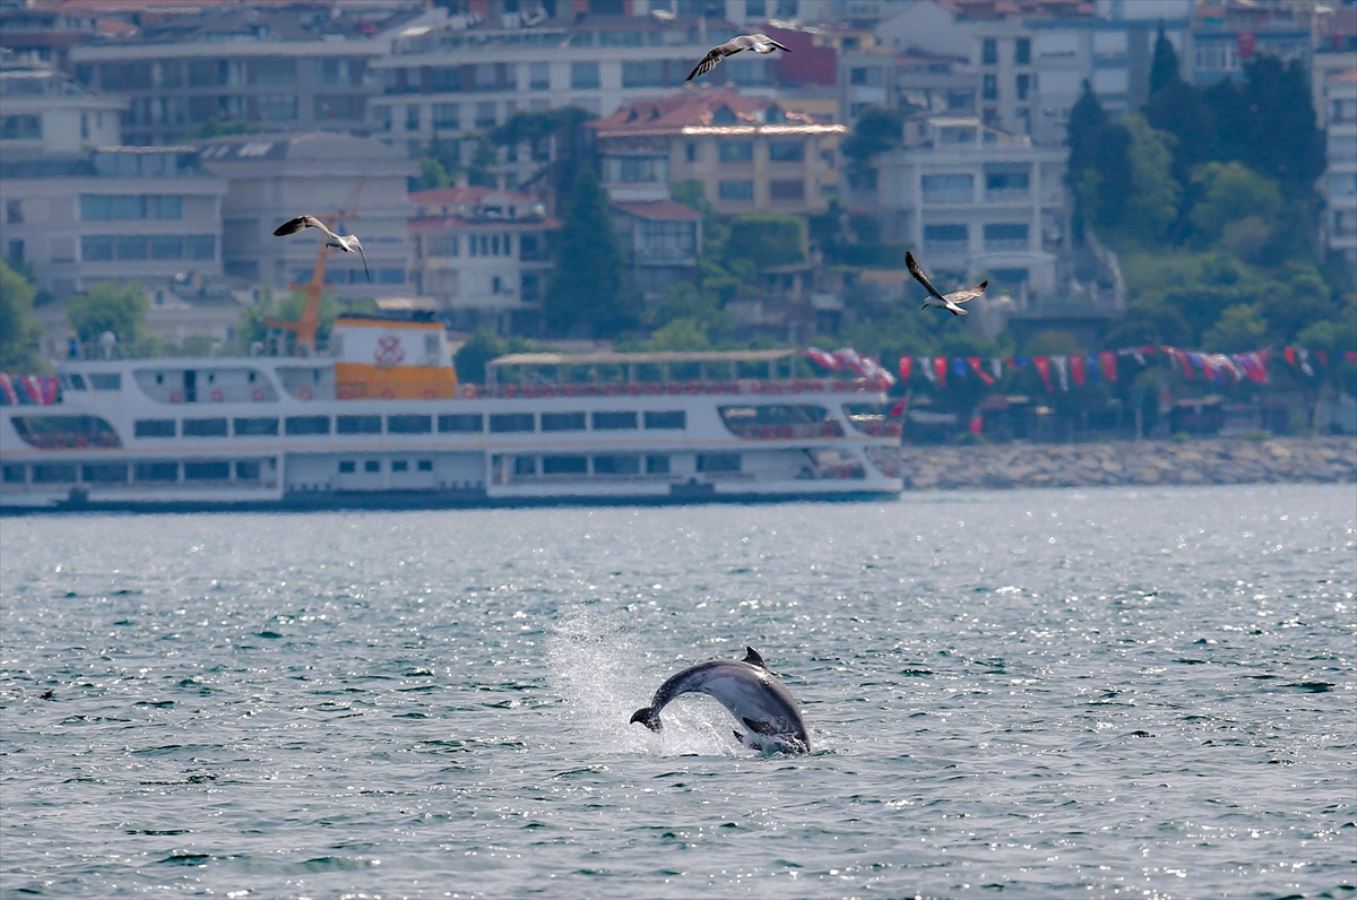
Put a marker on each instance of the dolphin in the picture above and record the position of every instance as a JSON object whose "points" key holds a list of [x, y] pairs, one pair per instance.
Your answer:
{"points": [[753, 695]]}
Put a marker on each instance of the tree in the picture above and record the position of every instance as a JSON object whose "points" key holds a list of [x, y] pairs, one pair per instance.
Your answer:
{"points": [[876, 131], [587, 296], [679, 335], [432, 174], [471, 358], [1087, 120], [1284, 140], [1164, 69], [19, 331], [1153, 204], [1231, 192], [120, 309], [1238, 330], [768, 240], [1105, 185]]}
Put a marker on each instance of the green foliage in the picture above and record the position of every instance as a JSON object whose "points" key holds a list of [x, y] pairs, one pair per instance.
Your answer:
{"points": [[289, 309], [19, 332], [1153, 203], [119, 308], [1231, 193], [215, 127], [587, 297], [1164, 67], [768, 240], [876, 131], [679, 335], [471, 358], [432, 175], [1239, 329]]}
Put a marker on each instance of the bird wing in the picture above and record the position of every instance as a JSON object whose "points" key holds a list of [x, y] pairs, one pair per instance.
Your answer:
{"points": [[913, 265], [292, 226], [363, 256], [965, 295], [713, 58], [765, 39]]}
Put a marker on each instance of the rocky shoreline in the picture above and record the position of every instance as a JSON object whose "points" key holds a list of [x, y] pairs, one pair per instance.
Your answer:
{"points": [[1318, 460]]}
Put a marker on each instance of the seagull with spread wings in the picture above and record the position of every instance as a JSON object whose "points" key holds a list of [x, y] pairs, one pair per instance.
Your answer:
{"points": [[759, 43], [348, 243], [950, 302]]}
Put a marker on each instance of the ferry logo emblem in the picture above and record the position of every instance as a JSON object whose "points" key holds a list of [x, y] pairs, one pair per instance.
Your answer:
{"points": [[389, 351]]}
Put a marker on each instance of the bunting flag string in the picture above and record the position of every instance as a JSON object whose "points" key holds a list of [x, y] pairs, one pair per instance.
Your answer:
{"points": [[28, 390]]}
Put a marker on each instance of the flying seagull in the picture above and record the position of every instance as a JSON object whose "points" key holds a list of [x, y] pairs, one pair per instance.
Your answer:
{"points": [[348, 243], [759, 43], [950, 302]]}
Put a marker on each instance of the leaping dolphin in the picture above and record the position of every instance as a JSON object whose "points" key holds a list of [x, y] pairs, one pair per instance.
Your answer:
{"points": [[753, 695]]}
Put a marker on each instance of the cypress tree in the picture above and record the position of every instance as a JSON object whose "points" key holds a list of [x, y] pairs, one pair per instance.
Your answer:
{"points": [[1164, 68], [586, 297]]}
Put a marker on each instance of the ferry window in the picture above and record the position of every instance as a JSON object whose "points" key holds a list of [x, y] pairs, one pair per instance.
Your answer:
{"points": [[105, 472], [620, 464], [657, 465], [565, 465], [462, 422], [77, 381], [157, 471], [424, 465], [614, 421], [253, 427], [359, 425], [372, 465], [207, 470], [573, 421], [525, 465], [49, 473], [718, 462], [204, 428], [400, 465], [408, 424], [106, 381], [675, 418], [511, 422], [154, 428], [248, 470], [347, 466], [309, 424], [12, 474]]}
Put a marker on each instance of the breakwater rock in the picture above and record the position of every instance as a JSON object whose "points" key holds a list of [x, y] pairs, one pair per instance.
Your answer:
{"points": [[1199, 461]]}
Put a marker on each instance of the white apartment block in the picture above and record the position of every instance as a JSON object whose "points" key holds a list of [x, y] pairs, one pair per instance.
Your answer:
{"points": [[45, 113], [355, 185], [974, 200], [1339, 184], [122, 214]]}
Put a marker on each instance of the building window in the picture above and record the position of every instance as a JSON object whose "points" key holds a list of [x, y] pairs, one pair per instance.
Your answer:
{"points": [[409, 424], [255, 427], [642, 74], [990, 91], [735, 151], [447, 115], [735, 190], [147, 428], [309, 424], [463, 422], [1021, 83], [782, 189], [20, 128], [1022, 52], [571, 421], [14, 211], [935, 235], [359, 425], [204, 428], [786, 151], [539, 76], [614, 421], [670, 419], [505, 422], [1006, 236], [565, 465], [989, 52], [485, 114], [412, 117], [584, 75]]}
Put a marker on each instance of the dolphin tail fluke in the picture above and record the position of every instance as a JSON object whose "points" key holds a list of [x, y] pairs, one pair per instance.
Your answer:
{"points": [[647, 717]]}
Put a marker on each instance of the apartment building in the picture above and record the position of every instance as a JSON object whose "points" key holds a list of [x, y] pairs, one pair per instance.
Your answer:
{"points": [[297, 69], [747, 153], [1226, 34], [356, 185], [1339, 184], [975, 200], [462, 79], [894, 79], [660, 242], [44, 113], [124, 214], [484, 255]]}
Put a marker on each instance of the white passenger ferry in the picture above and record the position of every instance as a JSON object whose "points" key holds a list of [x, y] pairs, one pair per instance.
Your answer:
{"points": [[383, 422]]}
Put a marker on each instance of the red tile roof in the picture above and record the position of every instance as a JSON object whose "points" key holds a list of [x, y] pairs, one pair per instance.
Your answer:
{"points": [[689, 108], [460, 196], [666, 210]]}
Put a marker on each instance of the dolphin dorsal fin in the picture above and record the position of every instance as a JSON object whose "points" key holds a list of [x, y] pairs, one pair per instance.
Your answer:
{"points": [[752, 657]]}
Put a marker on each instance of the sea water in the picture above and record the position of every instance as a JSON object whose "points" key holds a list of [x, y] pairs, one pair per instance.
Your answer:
{"points": [[1040, 693]]}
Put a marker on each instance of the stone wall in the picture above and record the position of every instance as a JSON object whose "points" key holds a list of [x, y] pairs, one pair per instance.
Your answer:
{"points": [[1199, 461]]}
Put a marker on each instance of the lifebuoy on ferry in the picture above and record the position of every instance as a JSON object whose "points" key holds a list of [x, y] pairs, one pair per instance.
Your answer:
{"points": [[468, 391], [257, 394], [217, 395], [388, 393], [430, 393], [176, 397], [304, 393]]}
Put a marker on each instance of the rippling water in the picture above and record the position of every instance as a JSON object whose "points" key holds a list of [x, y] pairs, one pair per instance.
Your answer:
{"points": [[1044, 693]]}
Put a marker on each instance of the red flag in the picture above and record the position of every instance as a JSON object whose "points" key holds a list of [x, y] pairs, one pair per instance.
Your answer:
{"points": [[821, 358], [1350, 355], [974, 363], [940, 368], [1322, 357], [906, 367], [898, 408], [1290, 354], [1108, 360], [1044, 370], [1077, 369]]}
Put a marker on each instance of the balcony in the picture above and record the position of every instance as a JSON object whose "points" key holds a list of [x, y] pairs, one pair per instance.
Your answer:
{"points": [[1008, 195], [946, 248], [948, 198], [1006, 245]]}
